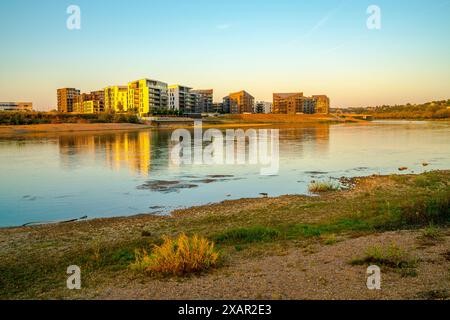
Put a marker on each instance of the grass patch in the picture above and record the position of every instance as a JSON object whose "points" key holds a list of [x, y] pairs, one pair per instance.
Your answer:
{"points": [[323, 186], [431, 233], [247, 235], [329, 239], [392, 257], [180, 256]]}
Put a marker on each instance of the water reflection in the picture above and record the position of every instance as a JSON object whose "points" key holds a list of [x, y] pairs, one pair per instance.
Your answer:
{"points": [[49, 177], [145, 151]]}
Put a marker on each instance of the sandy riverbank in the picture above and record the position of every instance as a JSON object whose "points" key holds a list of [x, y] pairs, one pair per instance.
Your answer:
{"points": [[309, 259], [68, 127]]}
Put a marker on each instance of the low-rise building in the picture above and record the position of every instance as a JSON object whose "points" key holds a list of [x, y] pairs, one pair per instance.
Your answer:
{"points": [[263, 107], [16, 106]]}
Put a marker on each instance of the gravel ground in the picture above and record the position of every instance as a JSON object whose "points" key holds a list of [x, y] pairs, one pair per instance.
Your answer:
{"points": [[317, 272]]}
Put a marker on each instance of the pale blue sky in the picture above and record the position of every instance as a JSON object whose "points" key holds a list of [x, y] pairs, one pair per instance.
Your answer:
{"points": [[261, 46]]}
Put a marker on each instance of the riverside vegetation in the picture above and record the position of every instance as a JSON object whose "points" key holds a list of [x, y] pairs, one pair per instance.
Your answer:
{"points": [[33, 261], [430, 110], [27, 118]]}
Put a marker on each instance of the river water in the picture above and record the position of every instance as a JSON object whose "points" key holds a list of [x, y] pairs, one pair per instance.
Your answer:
{"points": [[57, 177]]}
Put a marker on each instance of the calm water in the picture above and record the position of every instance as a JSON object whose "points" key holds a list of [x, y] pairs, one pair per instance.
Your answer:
{"points": [[66, 176]]}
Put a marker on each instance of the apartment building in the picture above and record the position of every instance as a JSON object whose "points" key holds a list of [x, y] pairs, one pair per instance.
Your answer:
{"points": [[89, 102], [288, 103], [147, 96], [263, 107], [240, 102], [66, 97], [322, 104], [226, 104], [203, 101], [292, 103], [309, 105], [116, 98], [181, 99], [16, 106]]}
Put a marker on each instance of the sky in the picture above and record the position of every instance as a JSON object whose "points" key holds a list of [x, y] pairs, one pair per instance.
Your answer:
{"points": [[261, 46]]}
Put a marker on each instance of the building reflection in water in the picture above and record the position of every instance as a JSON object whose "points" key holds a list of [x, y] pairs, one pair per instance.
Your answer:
{"points": [[145, 151], [117, 151]]}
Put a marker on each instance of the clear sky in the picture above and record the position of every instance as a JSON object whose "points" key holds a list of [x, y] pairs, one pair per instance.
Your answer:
{"points": [[262, 46]]}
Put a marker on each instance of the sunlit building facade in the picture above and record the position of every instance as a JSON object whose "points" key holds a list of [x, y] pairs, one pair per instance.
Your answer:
{"points": [[116, 98], [147, 96], [297, 103], [240, 102], [322, 104], [89, 102], [66, 98], [288, 103]]}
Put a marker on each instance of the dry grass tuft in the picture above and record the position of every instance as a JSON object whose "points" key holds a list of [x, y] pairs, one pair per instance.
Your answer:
{"points": [[180, 256], [323, 186]]}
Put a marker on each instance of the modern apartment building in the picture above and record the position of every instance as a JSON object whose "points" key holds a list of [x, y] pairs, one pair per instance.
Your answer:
{"points": [[217, 107], [309, 105], [288, 103], [226, 104], [263, 107], [116, 98], [16, 106], [181, 99], [66, 97], [322, 104], [89, 102], [292, 103], [147, 96], [204, 101], [240, 102]]}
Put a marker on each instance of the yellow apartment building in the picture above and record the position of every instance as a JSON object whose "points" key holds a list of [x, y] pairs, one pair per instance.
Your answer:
{"points": [[147, 95], [116, 98]]}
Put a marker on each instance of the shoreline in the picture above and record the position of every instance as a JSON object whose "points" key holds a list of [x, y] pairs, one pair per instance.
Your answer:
{"points": [[68, 127], [311, 230]]}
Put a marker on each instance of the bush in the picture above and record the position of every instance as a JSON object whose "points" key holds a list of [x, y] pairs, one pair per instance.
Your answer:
{"points": [[179, 256]]}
